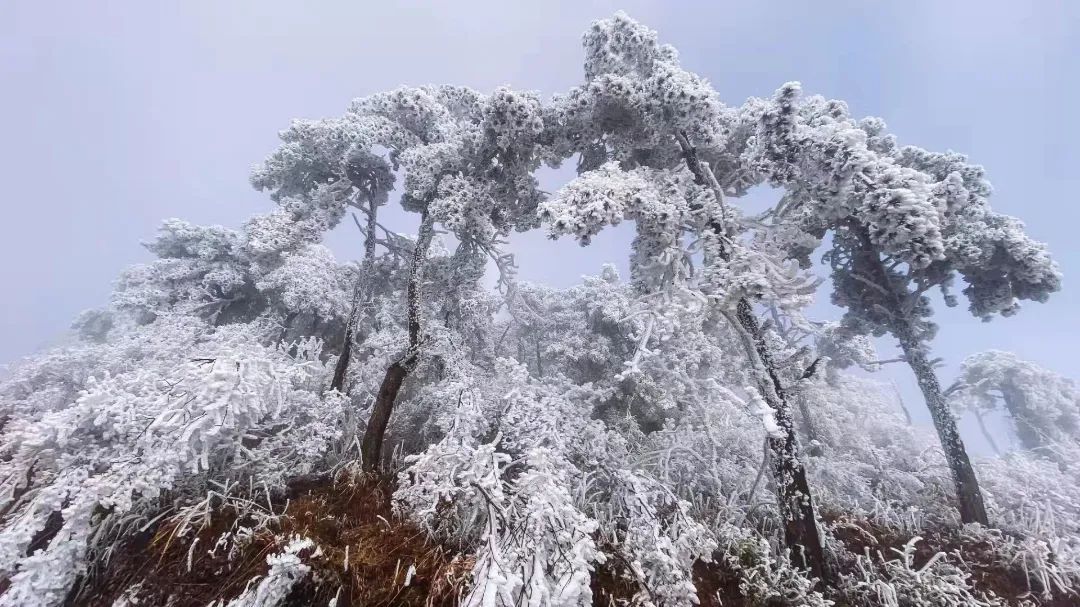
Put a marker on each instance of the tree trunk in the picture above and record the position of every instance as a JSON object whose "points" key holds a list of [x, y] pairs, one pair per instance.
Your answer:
{"points": [[398, 371], [371, 446], [801, 534], [986, 432], [1030, 437], [342, 366], [900, 402], [796, 505], [972, 509]]}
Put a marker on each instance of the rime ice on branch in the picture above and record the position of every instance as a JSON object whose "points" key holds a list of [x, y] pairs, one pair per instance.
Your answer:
{"points": [[641, 432]]}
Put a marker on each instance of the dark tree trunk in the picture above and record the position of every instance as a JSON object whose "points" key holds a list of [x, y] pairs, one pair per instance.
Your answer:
{"points": [[801, 533], [342, 366], [986, 432], [398, 371], [341, 369], [972, 509], [371, 446]]}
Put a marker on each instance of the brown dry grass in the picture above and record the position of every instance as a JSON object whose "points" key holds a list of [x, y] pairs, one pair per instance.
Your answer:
{"points": [[351, 516]]}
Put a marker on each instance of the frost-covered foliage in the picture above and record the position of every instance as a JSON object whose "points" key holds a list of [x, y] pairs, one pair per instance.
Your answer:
{"points": [[647, 432], [538, 493], [1043, 406], [287, 568], [845, 348], [536, 545], [895, 581], [211, 408], [228, 276], [901, 221]]}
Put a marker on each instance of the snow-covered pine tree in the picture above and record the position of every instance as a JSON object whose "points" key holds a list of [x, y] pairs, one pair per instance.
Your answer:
{"points": [[902, 221], [1043, 406], [467, 162], [648, 134], [612, 436]]}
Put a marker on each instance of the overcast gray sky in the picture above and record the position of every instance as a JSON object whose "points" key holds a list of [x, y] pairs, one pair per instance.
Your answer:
{"points": [[120, 114]]}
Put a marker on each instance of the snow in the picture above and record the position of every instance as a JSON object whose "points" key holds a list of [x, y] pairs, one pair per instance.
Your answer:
{"points": [[639, 426]]}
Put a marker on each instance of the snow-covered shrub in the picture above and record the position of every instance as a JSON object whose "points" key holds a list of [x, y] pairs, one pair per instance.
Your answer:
{"points": [[895, 581], [540, 495], [287, 569], [537, 547], [534, 544], [225, 408], [1050, 564], [874, 463], [1031, 495], [764, 574], [655, 537]]}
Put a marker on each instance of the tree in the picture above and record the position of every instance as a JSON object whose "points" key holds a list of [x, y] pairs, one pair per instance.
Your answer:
{"points": [[467, 161], [629, 431], [1044, 406], [902, 221], [373, 181], [641, 126]]}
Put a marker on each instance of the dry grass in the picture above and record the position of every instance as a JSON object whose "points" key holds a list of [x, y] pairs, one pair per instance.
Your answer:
{"points": [[716, 586], [988, 571], [366, 554]]}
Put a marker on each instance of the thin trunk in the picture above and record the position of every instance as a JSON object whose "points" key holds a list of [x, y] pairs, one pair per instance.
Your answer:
{"points": [[539, 365], [900, 401], [342, 366], [801, 533], [398, 371], [371, 445], [986, 432]]}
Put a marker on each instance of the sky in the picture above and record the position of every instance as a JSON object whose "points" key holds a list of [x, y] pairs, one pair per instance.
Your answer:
{"points": [[118, 115]]}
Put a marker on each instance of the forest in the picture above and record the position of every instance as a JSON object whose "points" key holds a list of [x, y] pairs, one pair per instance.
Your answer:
{"points": [[252, 422]]}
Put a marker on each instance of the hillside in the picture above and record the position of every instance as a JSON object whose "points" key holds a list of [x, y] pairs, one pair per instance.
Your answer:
{"points": [[252, 422]]}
